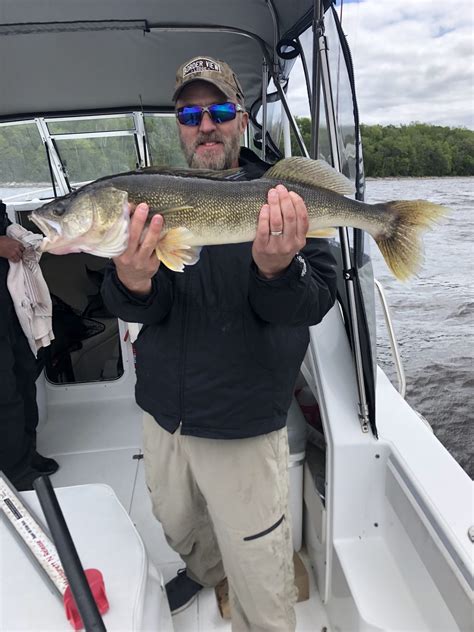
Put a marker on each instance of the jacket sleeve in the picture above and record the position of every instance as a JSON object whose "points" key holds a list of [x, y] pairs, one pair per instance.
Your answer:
{"points": [[133, 308], [303, 294]]}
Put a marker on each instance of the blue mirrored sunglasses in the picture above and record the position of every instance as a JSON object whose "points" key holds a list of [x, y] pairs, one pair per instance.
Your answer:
{"points": [[219, 113]]}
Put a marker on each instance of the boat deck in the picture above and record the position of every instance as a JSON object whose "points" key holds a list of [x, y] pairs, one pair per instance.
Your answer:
{"points": [[94, 443]]}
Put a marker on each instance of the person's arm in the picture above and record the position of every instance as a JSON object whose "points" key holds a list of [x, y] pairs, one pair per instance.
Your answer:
{"points": [[147, 309], [303, 294], [134, 287], [290, 283]]}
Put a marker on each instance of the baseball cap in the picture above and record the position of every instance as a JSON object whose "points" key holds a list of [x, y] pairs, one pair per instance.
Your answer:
{"points": [[211, 70]]}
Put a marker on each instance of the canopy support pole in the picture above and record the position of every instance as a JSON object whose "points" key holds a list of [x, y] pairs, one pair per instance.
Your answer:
{"points": [[349, 272]]}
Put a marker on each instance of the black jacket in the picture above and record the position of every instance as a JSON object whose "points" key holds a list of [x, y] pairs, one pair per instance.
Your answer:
{"points": [[221, 347]]}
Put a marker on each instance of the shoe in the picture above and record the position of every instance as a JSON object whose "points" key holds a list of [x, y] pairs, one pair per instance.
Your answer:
{"points": [[181, 591], [43, 464], [24, 482]]}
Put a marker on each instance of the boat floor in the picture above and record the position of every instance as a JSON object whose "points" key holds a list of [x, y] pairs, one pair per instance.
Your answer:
{"points": [[100, 442]]}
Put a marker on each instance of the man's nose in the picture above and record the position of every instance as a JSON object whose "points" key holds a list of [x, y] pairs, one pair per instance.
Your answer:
{"points": [[207, 124]]}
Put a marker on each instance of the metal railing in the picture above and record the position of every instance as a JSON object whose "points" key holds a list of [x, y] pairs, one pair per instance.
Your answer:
{"points": [[392, 340]]}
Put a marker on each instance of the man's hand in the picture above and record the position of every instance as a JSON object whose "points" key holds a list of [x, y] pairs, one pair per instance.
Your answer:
{"points": [[139, 263], [11, 249], [281, 231]]}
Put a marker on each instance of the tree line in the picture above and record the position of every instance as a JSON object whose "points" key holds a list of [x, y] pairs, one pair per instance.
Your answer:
{"points": [[407, 150], [413, 150]]}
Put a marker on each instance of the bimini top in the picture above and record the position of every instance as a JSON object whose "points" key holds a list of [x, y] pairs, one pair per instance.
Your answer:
{"points": [[60, 57]]}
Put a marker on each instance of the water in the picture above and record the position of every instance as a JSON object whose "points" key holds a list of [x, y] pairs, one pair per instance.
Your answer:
{"points": [[432, 313], [15, 193]]}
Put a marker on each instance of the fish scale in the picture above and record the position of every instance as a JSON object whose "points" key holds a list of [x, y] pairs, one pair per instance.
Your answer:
{"points": [[227, 212]]}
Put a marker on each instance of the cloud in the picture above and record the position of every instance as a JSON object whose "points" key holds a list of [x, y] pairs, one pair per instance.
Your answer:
{"points": [[413, 62]]}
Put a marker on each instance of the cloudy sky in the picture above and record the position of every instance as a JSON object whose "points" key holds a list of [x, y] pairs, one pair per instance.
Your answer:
{"points": [[413, 61]]}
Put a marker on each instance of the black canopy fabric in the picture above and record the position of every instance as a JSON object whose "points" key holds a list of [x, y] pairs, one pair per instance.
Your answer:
{"points": [[63, 56]]}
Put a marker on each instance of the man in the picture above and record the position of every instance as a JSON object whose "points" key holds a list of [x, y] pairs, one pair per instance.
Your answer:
{"points": [[18, 372], [217, 360]]}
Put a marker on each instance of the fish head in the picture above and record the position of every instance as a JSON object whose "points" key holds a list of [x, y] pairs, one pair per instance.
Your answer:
{"points": [[91, 220]]}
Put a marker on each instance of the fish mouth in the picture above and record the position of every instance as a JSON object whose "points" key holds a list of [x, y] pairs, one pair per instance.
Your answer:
{"points": [[50, 228], [52, 233]]}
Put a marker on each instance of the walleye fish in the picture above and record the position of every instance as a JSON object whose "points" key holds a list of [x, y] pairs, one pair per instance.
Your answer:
{"points": [[203, 208]]}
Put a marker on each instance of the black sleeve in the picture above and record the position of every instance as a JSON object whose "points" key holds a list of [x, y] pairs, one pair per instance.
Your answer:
{"points": [[135, 308], [303, 294]]}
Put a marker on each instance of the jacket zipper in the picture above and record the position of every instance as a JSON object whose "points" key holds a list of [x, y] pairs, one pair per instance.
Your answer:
{"points": [[182, 350]]}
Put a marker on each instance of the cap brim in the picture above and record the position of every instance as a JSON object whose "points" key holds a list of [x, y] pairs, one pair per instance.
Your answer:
{"points": [[220, 85]]}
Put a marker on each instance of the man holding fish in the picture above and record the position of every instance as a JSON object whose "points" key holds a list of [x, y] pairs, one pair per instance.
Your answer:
{"points": [[217, 360]]}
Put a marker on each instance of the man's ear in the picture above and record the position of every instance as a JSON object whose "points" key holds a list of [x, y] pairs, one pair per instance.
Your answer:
{"points": [[244, 121]]}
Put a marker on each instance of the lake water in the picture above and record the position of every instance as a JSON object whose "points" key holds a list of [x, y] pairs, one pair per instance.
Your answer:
{"points": [[432, 313]]}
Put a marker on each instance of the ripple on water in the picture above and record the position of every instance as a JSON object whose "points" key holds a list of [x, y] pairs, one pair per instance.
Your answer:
{"points": [[432, 314]]}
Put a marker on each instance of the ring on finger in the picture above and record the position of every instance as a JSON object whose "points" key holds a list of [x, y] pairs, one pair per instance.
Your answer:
{"points": [[276, 233]]}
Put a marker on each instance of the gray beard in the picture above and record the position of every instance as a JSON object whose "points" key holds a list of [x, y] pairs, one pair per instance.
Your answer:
{"points": [[214, 163]]}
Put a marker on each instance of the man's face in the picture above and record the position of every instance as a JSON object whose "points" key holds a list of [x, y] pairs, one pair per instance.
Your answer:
{"points": [[210, 145]]}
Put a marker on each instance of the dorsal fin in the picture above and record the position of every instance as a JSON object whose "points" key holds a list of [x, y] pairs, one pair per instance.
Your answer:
{"points": [[223, 174], [310, 173]]}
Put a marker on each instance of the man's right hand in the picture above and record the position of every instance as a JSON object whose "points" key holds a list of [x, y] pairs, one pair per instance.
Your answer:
{"points": [[11, 249], [139, 263]]}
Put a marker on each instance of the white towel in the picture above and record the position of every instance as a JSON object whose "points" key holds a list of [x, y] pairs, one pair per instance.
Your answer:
{"points": [[29, 292]]}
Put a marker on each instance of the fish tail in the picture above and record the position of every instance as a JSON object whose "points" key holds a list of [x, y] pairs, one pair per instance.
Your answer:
{"points": [[401, 244]]}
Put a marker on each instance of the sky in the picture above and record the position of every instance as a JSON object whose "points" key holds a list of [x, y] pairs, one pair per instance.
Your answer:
{"points": [[413, 60]]}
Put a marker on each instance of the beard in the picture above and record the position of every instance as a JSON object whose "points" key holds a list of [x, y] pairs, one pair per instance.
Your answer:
{"points": [[208, 159]]}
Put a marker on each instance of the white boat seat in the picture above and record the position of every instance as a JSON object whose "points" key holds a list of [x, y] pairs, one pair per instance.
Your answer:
{"points": [[106, 539]]}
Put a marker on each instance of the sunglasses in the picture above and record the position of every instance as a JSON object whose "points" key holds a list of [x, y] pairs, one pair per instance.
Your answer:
{"points": [[219, 113]]}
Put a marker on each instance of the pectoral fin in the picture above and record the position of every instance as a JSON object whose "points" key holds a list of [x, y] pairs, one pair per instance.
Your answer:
{"points": [[174, 249]]}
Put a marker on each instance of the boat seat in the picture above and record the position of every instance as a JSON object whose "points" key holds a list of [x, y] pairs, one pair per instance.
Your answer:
{"points": [[106, 539]]}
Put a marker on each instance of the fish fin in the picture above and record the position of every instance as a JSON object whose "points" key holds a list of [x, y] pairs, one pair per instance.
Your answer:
{"points": [[322, 232], [223, 174], [174, 250], [400, 243], [310, 173]]}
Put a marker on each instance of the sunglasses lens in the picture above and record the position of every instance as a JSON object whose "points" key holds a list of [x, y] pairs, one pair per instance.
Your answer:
{"points": [[222, 112], [219, 113], [190, 115]]}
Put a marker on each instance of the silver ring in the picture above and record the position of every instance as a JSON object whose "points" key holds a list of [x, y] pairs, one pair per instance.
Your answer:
{"points": [[276, 233]]}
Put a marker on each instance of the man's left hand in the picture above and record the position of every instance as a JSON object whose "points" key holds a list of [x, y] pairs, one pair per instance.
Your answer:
{"points": [[281, 232]]}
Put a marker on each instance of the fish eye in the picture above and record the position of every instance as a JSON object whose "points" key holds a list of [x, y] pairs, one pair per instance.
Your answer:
{"points": [[59, 210]]}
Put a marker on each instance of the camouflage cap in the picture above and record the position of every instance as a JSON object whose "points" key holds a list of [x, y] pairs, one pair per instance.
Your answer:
{"points": [[211, 70]]}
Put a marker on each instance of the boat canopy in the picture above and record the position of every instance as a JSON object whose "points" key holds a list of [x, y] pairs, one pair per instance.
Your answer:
{"points": [[63, 57]]}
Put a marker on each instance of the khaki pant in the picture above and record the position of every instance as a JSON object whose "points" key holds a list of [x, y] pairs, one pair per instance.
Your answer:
{"points": [[223, 508]]}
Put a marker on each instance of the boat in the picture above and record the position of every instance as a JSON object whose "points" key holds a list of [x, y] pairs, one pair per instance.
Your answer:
{"points": [[381, 512]]}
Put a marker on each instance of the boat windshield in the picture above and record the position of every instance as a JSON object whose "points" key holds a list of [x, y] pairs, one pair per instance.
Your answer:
{"points": [[87, 147], [23, 164]]}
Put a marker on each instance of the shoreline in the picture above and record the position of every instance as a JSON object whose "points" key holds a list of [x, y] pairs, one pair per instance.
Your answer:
{"points": [[375, 178], [41, 185]]}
